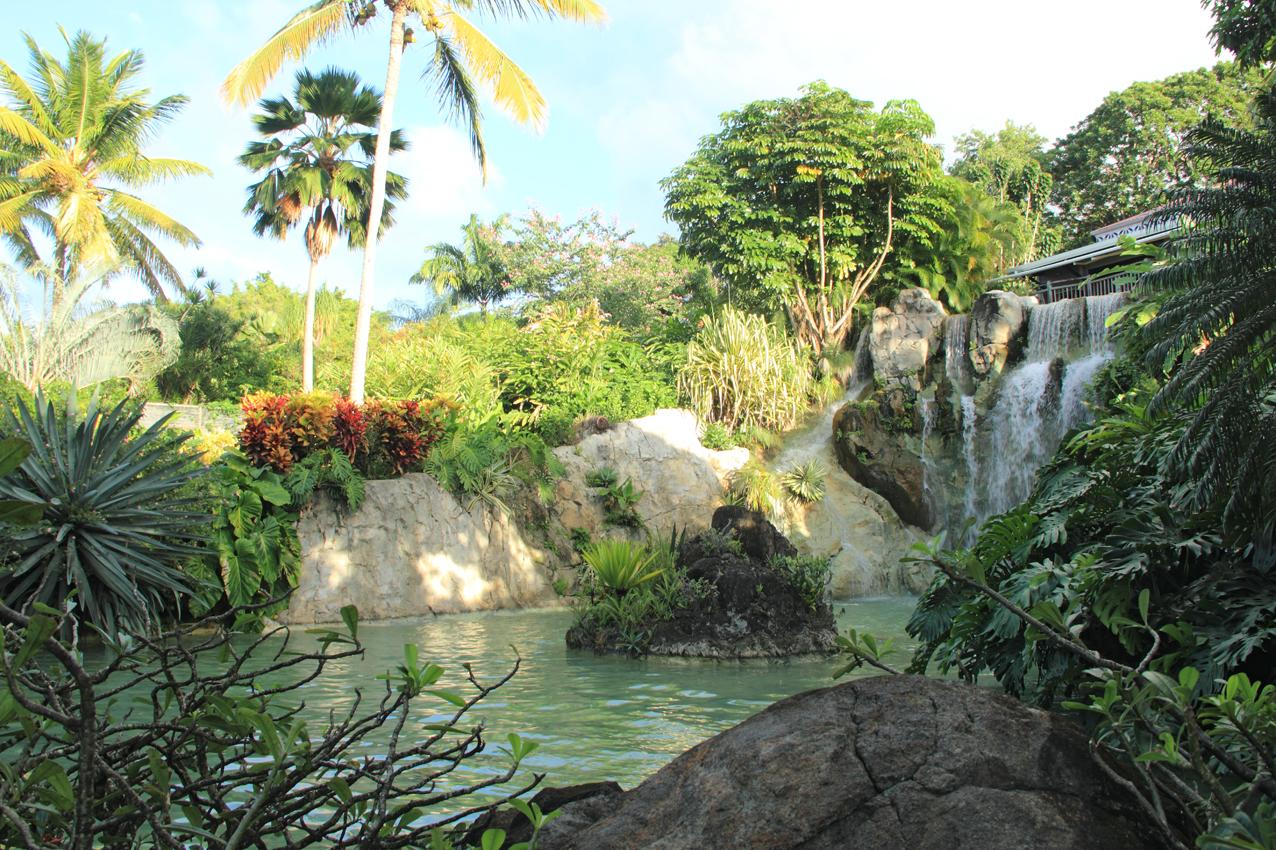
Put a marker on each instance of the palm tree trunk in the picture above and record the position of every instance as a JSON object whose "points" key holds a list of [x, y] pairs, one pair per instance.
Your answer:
{"points": [[308, 331], [363, 320]]}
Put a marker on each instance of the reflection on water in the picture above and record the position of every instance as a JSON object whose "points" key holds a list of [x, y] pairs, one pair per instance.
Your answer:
{"points": [[595, 717]]}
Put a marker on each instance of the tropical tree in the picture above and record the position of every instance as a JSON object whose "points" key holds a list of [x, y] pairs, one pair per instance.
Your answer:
{"points": [[1126, 154], [461, 53], [316, 159], [70, 341], [1010, 167], [472, 272], [72, 145], [804, 202]]}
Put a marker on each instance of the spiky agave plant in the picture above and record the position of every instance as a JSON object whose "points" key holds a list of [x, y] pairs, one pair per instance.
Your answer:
{"points": [[805, 482], [118, 516], [1218, 328], [621, 565]]}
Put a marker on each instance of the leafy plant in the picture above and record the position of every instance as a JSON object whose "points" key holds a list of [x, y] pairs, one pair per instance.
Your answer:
{"points": [[17, 512], [621, 565], [805, 482], [743, 372], [329, 470], [118, 517], [808, 575], [216, 754], [619, 501], [602, 477], [715, 436], [755, 487]]}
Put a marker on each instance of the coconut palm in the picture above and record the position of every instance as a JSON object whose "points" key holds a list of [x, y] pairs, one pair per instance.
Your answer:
{"points": [[459, 53], [316, 158], [72, 142], [471, 272]]}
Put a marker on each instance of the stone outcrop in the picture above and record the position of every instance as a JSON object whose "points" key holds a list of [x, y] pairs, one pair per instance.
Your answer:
{"points": [[998, 324], [868, 441], [887, 763], [750, 610], [904, 337], [412, 549], [681, 481]]}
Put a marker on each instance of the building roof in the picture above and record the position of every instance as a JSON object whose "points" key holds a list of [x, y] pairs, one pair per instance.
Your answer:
{"points": [[1105, 248]]}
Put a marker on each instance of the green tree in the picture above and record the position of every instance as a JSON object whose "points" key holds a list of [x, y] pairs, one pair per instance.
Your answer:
{"points": [[72, 143], [316, 158], [804, 202], [1010, 166], [460, 53], [1247, 28], [471, 272], [1123, 157]]}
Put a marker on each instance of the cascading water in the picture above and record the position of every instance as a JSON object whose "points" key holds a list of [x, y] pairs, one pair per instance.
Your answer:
{"points": [[956, 351], [1037, 403], [927, 407]]}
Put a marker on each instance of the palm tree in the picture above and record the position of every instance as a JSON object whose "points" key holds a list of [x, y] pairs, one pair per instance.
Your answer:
{"points": [[72, 142], [471, 272], [316, 158], [460, 53]]}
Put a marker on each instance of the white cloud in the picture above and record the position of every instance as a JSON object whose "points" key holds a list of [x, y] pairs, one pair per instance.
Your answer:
{"points": [[445, 181]]}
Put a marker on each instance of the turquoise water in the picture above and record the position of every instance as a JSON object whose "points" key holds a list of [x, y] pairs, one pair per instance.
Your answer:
{"points": [[595, 717]]}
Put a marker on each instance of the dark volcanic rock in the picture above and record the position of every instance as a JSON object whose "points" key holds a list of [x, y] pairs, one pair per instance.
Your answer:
{"points": [[518, 828], [868, 441], [750, 611], [889, 763]]}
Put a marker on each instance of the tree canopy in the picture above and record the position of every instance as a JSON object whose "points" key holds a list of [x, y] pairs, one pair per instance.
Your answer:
{"points": [[1123, 157], [802, 203]]}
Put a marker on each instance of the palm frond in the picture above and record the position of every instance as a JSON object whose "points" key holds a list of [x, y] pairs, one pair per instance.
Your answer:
{"points": [[314, 24]]}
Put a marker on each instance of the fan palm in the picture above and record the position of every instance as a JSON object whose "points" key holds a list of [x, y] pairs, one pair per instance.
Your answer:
{"points": [[316, 157], [460, 53], [1219, 327], [71, 145], [471, 272]]}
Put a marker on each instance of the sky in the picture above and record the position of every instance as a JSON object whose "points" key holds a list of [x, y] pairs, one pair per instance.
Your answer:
{"points": [[628, 100]]}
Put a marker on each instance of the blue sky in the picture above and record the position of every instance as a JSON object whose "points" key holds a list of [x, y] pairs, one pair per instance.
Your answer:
{"points": [[628, 100]]}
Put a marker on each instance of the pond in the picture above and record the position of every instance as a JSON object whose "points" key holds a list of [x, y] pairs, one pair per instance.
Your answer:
{"points": [[595, 717]]}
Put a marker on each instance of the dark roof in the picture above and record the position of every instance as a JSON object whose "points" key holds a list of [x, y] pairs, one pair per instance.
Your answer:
{"points": [[1105, 248]]}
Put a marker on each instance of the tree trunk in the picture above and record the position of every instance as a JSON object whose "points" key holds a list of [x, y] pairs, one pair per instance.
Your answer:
{"points": [[376, 206], [308, 331]]}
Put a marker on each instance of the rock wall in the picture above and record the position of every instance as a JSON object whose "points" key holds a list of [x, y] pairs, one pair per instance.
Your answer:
{"points": [[681, 481], [413, 549]]}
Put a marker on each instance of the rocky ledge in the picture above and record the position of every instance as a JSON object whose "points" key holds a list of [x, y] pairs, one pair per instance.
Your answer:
{"points": [[888, 763], [750, 608]]}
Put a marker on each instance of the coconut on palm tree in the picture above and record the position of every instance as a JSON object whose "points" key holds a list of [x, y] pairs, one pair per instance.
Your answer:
{"points": [[459, 53], [472, 272], [72, 141], [316, 159]]}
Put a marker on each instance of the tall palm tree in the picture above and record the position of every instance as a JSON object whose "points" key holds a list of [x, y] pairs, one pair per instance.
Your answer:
{"points": [[471, 272], [316, 158], [72, 142], [460, 53]]}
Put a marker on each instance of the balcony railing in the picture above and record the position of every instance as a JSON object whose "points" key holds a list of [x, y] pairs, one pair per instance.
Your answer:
{"points": [[1106, 285]]}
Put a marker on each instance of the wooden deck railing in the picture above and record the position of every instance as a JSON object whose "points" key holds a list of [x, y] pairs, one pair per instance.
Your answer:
{"points": [[1106, 285]]}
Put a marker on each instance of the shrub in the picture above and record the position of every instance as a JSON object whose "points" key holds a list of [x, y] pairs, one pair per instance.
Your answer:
{"points": [[755, 487], [715, 436], [806, 574], [805, 482], [212, 754], [118, 516], [742, 371], [619, 501], [399, 436], [621, 565], [485, 462], [211, 445]]}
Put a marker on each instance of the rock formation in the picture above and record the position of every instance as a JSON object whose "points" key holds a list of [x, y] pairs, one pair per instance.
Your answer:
{"points": [[887, 763], [998, 325], [905, 336]]}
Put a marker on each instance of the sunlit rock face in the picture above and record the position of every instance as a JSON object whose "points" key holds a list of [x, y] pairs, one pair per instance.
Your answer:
{"points": [[904, 337], [412, 549], [998, 321]]}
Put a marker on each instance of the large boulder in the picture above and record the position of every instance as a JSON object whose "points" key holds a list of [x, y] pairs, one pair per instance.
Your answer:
{"points": [[887, 763], [750, 608], [904, 337], [412, 549], [870, 444], [681, 481], [998, 325]]}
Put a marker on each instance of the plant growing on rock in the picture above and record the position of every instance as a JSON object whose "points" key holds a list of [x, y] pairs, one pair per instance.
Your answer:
{"points": [[620, 566], [118, 516], [805, 482], [808, 575], [755, 487], [215, 754]]}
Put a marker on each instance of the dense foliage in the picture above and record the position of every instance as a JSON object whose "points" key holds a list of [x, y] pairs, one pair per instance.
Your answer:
{"points": [[119, 518], [165, 744], [802, 203], [1122, 157]]}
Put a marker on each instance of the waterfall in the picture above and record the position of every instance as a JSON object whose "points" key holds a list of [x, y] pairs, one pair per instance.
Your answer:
{"points": [[956, 351], [970, 457], [862, 370], [927, 407], [1054, 329]]}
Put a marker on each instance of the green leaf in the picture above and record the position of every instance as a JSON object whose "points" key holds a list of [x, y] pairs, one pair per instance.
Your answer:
{"points": [[18, 513], [350, 616], [13, 451]]}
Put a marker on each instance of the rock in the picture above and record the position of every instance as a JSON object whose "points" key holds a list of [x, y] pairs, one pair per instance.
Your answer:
{"points": [[887, 763], [681, 481], [518, 828], [998, 324], [412, 549], [750, 611], [869, 444], [903, 338]]}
